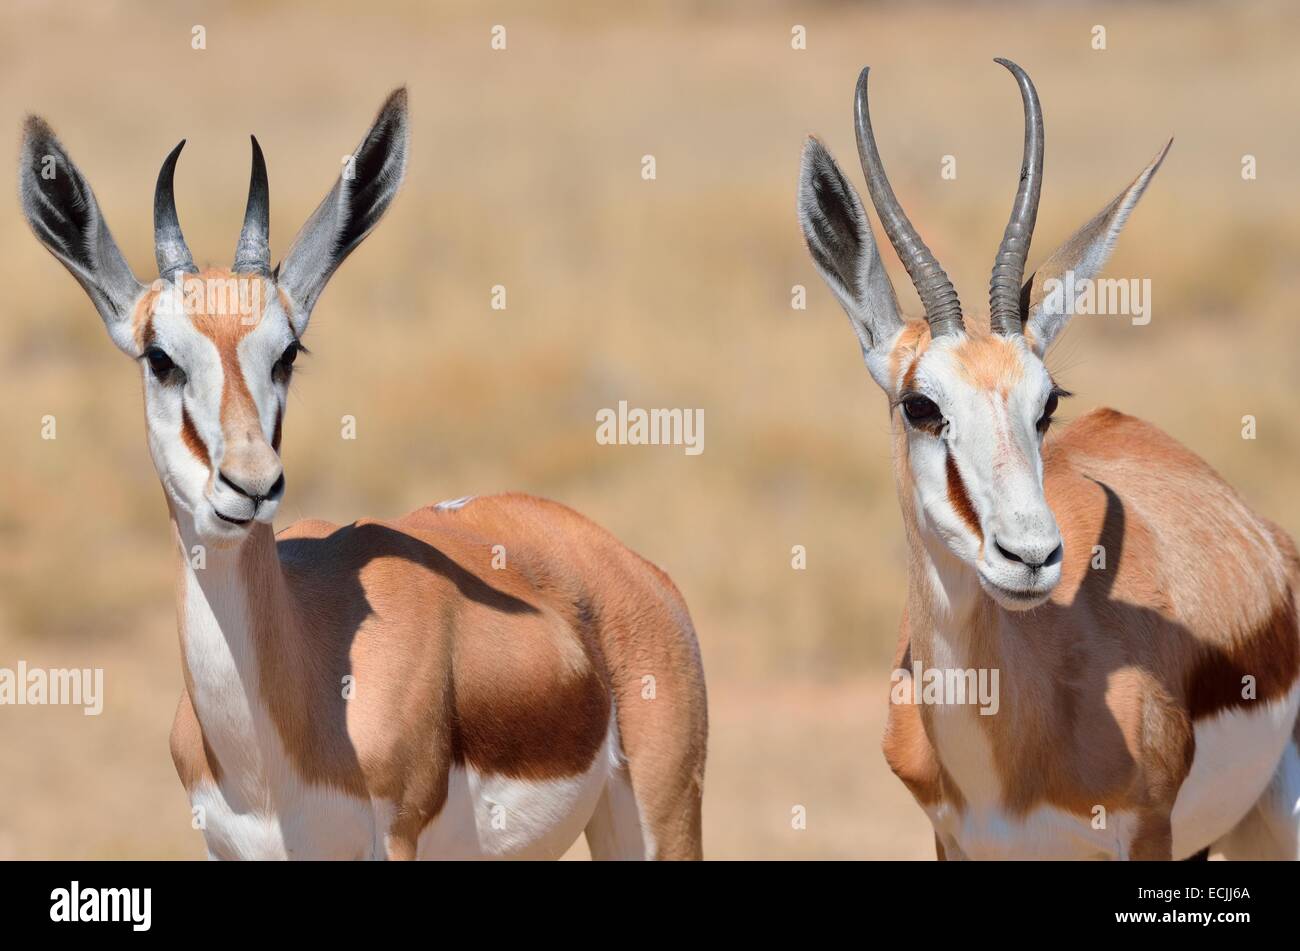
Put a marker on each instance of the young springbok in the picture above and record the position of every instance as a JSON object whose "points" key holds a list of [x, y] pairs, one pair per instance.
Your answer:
{"points": [[485, 677], [1141, 617]]}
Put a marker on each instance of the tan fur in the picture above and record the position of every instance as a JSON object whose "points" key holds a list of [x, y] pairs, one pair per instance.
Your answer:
{"points": [[514, 670], [245, 448], [511, 670], [142, 320], [1101, 686], [989, 363]]}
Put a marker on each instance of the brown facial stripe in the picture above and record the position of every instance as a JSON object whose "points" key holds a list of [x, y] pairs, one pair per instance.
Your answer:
{"points": [[193, 441], [286, 305], [238, 409], [142, 321], [1270, 655], [960, 501], [275, 438], [226, 330], [909, 378], [911, 344]]}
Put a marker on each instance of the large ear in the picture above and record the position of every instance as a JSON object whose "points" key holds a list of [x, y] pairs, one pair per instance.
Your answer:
{"points": [[62, 210], [353, 207], [839, 239], [1042, 301]]}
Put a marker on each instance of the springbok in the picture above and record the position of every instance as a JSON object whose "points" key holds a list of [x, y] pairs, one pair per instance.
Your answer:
{"points": [[1142, 619], [481, 678]]}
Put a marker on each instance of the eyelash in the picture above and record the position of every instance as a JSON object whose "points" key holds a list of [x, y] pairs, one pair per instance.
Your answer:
{"points": [[164, 370], [933, 423], [1050, 407], [283, 368]]}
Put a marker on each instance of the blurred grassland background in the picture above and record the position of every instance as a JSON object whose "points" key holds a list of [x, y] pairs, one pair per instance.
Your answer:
{"points": [[525, 172]]}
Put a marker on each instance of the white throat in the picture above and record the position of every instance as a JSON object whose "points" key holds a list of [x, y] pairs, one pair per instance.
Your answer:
{"points": [[220, 658], [952, 596]]}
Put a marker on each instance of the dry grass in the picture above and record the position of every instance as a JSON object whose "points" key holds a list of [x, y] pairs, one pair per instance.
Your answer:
{"points": [[667, 293]]}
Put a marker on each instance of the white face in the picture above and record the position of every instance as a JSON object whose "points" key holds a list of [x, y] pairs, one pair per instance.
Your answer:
{"points": [[215, 352], [216, 363], [975, 410]]}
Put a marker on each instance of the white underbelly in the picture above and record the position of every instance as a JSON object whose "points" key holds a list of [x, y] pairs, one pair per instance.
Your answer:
{"points": [[499, 817], [992, 834], [1237, 753], [984, 830], [309, 822], [484, 816]]}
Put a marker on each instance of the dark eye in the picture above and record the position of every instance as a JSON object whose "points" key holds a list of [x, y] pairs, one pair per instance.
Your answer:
{"points": [[1049, 408], [284, 365], [920, 409], [162, 366]]}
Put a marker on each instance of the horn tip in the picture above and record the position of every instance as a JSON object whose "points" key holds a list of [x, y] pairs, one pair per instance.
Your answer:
{"points": [[860, 91], [1160, 156]]}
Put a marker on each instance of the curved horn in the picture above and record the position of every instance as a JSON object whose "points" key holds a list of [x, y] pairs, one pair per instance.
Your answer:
{"points": [[1009, 265], [942, 308], [253, 253], [169, 244]]}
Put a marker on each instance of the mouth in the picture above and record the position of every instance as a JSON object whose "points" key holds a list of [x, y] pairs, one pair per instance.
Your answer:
{"points": [[1019, 597], [232, 521]]}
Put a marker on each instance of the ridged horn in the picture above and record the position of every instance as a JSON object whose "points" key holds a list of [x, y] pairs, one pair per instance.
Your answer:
{"points": [[253, 253], [1009, 265], [938, 296], [169, 244]]}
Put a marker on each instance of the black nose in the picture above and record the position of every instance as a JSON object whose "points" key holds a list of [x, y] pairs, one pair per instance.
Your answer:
{"points": [[272, 493], [1009, 555]]}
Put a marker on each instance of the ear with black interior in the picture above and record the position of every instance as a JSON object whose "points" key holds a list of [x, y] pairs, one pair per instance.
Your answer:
{"points": [[365, 189], [839, 239], [62, 210]]}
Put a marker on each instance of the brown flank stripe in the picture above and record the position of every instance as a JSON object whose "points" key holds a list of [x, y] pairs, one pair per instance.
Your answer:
{"points": [[1271, 655]]}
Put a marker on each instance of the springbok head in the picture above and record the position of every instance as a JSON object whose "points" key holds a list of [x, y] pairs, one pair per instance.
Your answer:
{"points": [[216, 347], [972, 404]]}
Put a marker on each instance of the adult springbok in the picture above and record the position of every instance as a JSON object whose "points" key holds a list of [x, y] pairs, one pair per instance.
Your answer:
{"points": [[1141, 618], [485, 677]]}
